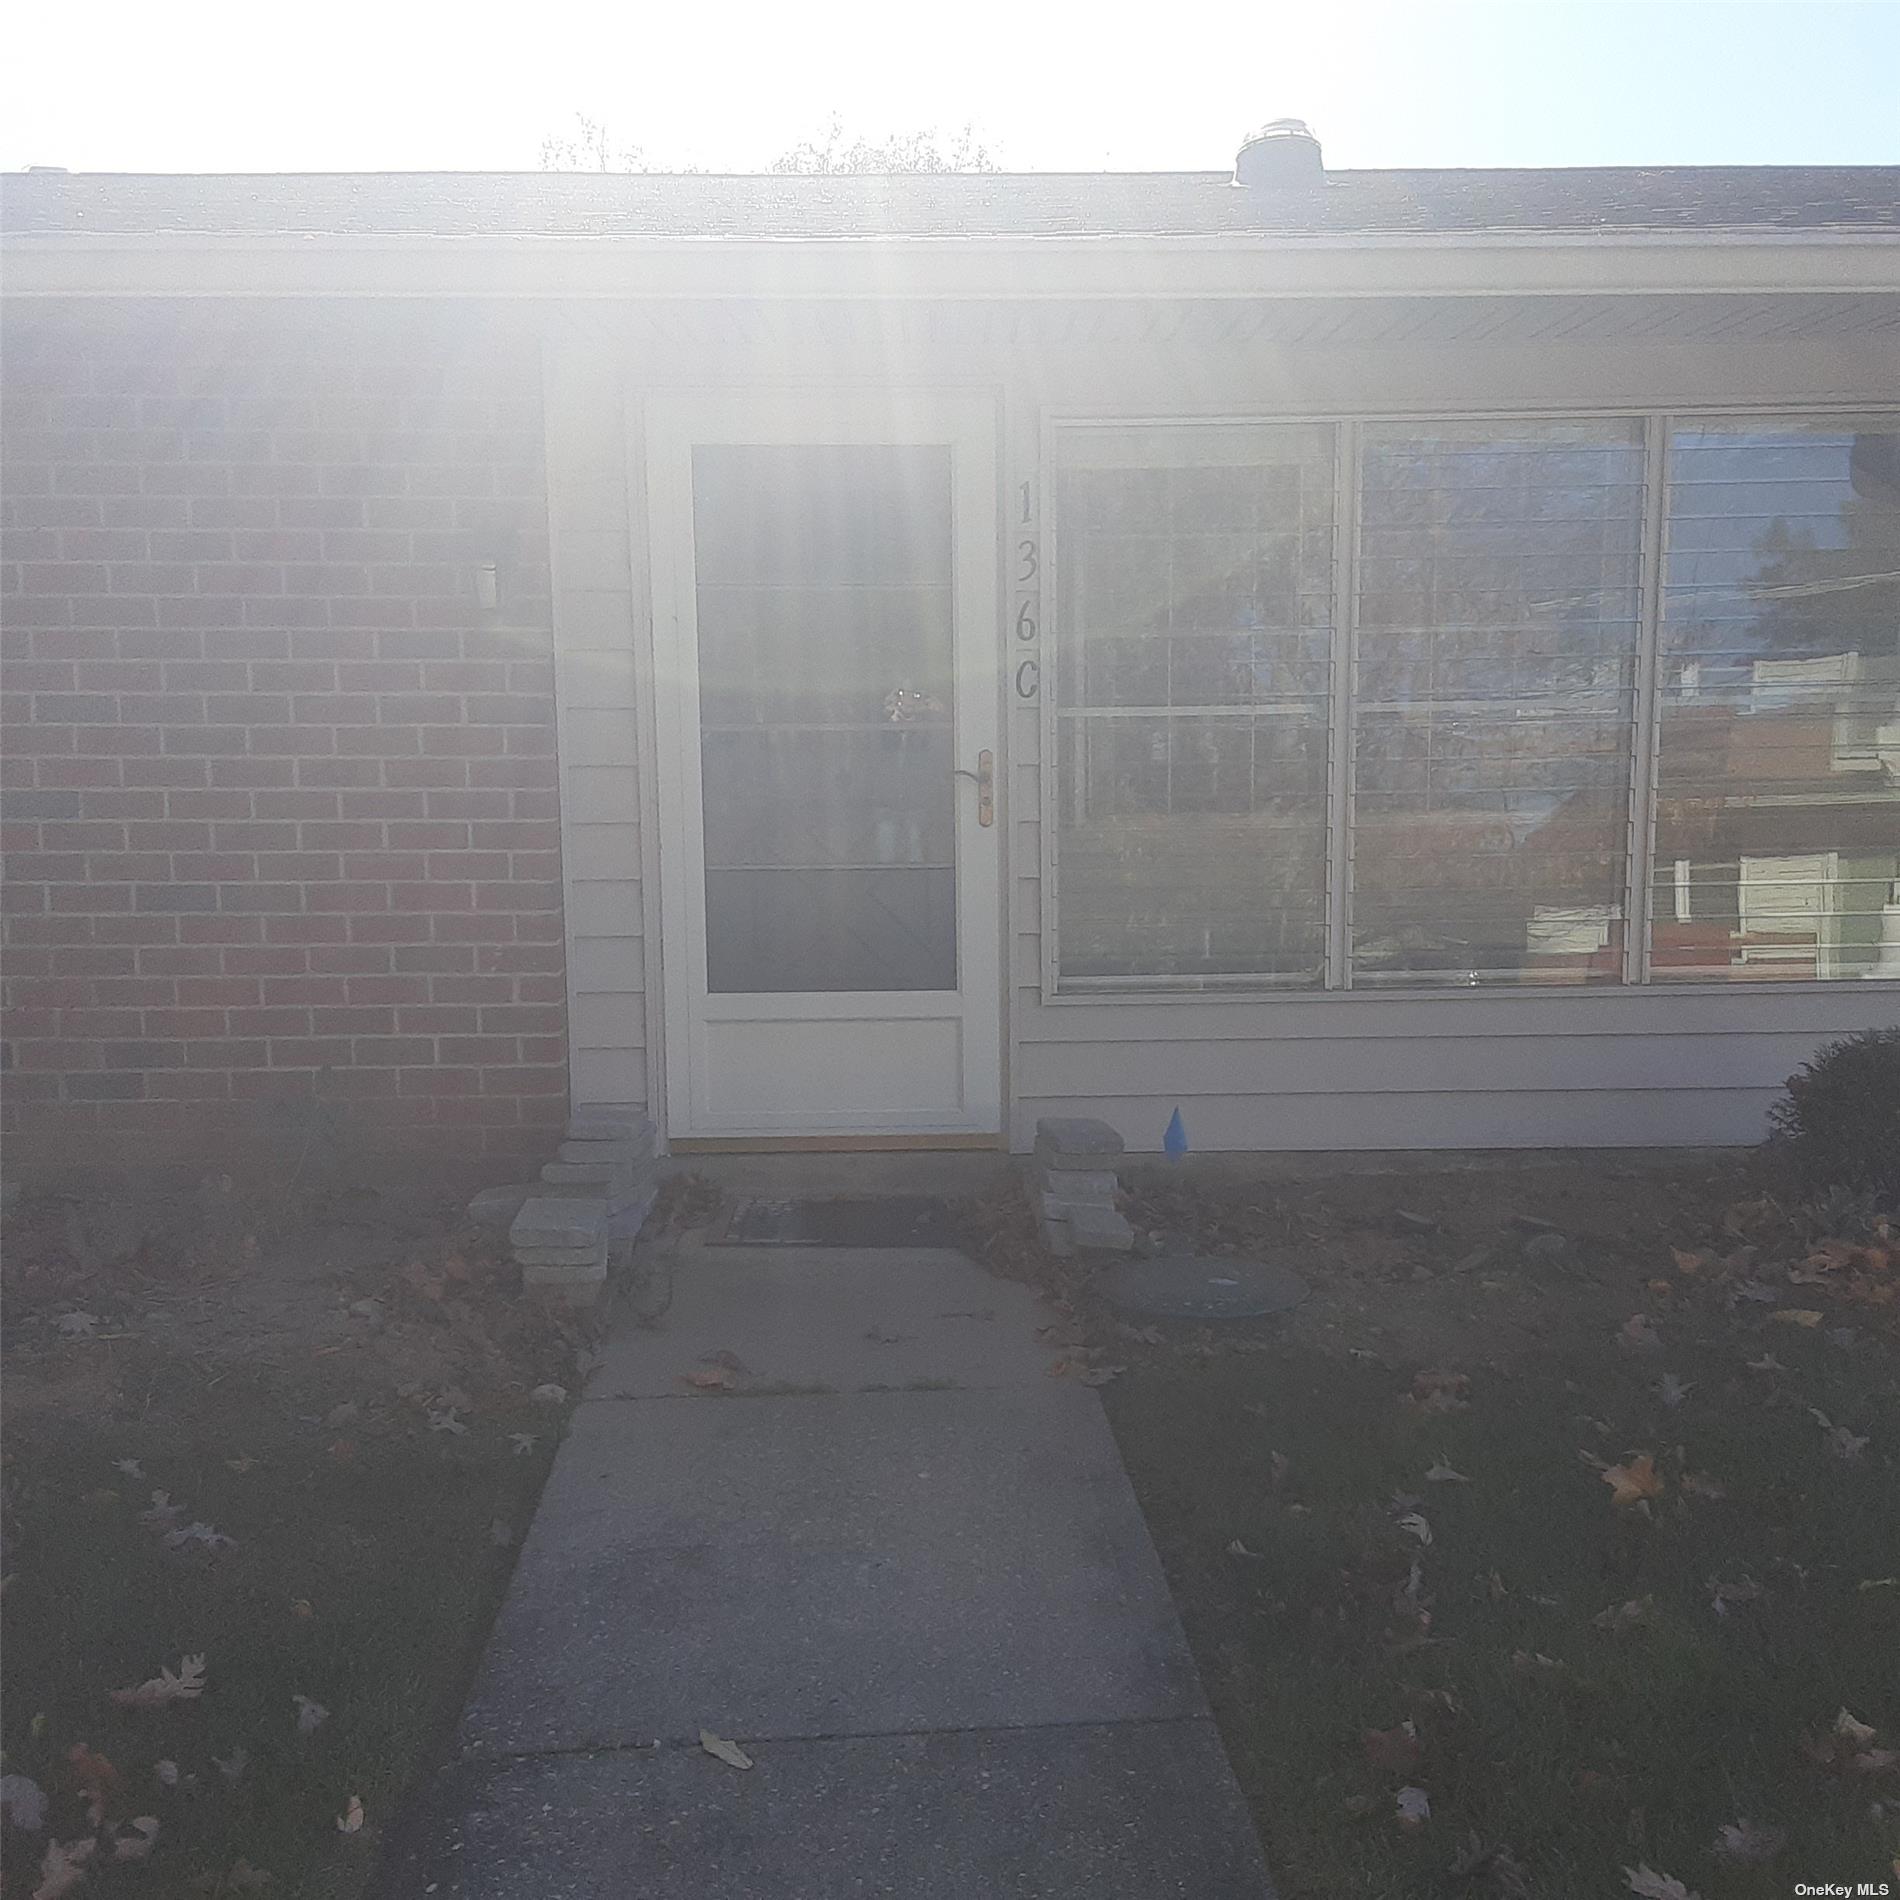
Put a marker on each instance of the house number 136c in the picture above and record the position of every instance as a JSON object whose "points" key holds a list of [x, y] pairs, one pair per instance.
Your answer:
{"points": [[1028, 675]]}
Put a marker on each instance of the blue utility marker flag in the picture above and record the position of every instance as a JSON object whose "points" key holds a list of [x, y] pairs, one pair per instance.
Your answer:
{"points": [[1175, 1141]]}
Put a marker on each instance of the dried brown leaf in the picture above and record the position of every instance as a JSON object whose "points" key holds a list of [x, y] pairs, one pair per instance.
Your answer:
{"points": [[63, 1867], [1435, 1391], [1634, 1482], [1531, 1661], [1638, 1334], [1723, 1593], [1392, 1750], [1651, 1885], [1748, 1843], [1493, 1862], [135, 1839], [722, 1750], [1623, 1616], [165, 1687]]}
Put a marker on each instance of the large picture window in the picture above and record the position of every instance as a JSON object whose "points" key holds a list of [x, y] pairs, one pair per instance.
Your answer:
{"points": [[1192, 756], [1499, 610], [1385, 704], [1778, 788]]}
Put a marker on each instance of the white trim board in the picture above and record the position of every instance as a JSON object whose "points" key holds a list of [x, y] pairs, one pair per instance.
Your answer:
{"points": [[1240, 264]]}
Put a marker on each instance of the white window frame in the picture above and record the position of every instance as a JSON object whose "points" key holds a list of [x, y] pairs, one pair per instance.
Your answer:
{"points": [[1645, 747]]}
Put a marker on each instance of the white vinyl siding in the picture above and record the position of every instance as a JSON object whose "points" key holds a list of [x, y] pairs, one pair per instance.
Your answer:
{"points": [[597, 695]]}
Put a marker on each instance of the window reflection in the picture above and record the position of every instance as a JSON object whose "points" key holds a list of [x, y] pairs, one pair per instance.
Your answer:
{"points": [[823, 608], [1195, 584], [1497, 626], [1778, 790], [1499, 570]]}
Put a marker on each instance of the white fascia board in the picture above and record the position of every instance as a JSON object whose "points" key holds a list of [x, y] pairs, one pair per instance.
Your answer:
{"points": [[1241, 265]]}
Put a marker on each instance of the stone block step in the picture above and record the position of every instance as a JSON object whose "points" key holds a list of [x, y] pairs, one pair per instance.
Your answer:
{"points": [[1102, 1229], [551, 1221], [618, 1154], [594, 1256], [567, 1173], [1077, 1186], [498, 1206], [1076, 1141], [627, 1194], [568, 1286]]}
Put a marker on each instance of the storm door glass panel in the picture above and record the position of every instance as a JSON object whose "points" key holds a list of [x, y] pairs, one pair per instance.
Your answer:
{"points": [[1499, 597], [1195, 594], [823, 592], [1778, 784]]}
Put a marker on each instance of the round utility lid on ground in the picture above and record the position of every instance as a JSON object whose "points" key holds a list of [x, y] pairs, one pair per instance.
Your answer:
{"points": [[1202, 1286]]}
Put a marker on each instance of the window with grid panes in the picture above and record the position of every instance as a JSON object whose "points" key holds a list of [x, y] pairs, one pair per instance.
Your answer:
{"points": [[1496, 630], [1194, 588], [1777, 845], [1499, 608]]}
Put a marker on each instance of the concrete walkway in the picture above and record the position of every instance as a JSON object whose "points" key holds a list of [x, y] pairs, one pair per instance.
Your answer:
{"points": [[899, 1564]]}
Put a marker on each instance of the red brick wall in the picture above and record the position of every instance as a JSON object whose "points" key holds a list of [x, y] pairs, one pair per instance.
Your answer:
{"points": [[280, 804]]}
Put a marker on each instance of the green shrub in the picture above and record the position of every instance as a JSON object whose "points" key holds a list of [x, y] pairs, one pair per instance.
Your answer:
{"points": [[1839, 1123]]}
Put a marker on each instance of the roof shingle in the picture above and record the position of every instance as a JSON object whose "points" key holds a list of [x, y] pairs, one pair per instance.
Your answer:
{"points": [[1606, 200]]}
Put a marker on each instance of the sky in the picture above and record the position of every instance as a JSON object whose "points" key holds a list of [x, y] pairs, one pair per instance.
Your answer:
{"points": [[419, 85]]}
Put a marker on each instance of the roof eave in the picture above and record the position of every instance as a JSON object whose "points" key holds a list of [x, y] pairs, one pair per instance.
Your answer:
{"points": [[1122, 266]]}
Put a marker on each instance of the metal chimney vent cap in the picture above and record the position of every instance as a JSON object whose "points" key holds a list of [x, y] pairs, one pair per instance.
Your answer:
{"points": [[1282, 156]]}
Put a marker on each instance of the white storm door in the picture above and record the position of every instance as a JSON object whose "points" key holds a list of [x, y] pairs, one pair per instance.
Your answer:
{"points": [[824, 622]]}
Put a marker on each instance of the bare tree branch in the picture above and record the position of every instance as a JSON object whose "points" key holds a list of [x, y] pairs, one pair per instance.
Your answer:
{"points": [[592, 148]]}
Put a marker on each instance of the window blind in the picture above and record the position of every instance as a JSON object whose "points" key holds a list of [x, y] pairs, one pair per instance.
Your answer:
{"points": [[1498, 619], [1194, 590]]}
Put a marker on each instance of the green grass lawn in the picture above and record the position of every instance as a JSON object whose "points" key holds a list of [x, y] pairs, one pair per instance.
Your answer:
{"points": [[335, 1389], [362, 1578], [1554, 1751]]}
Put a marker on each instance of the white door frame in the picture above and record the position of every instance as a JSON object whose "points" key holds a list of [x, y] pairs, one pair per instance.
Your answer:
{"points": [[915, 1063]]}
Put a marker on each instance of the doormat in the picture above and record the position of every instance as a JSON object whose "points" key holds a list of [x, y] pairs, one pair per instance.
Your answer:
{"points": [[895, 1220]]}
